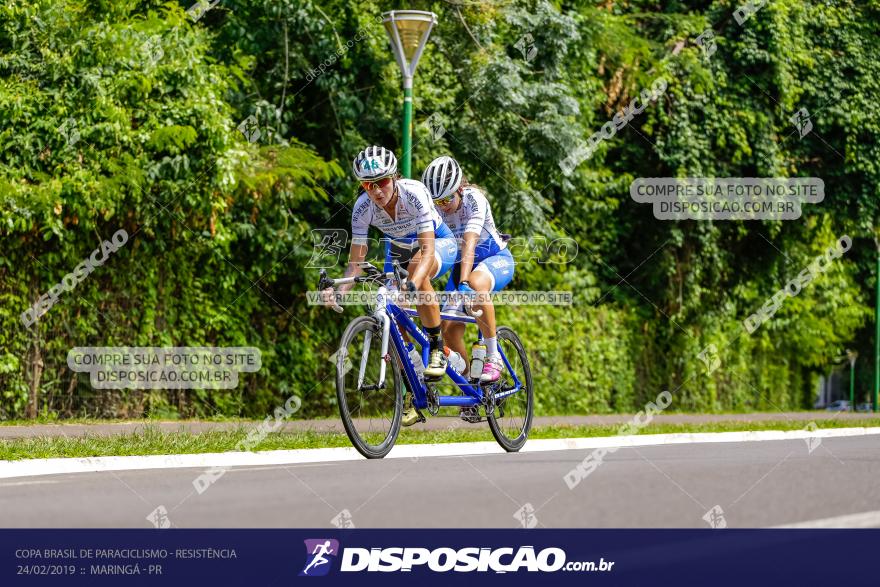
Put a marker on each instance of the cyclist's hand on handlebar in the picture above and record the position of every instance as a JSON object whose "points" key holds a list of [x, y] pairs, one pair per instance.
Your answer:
{"points": [[328, 297], [468, 294], [409, 286], [469, 298]]}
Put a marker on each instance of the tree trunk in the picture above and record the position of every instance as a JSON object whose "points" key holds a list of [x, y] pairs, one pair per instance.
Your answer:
{"points": [[37, 363]]}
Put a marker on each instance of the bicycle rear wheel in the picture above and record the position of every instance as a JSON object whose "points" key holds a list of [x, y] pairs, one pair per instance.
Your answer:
{"points": [[371, 416], [511, 419]]}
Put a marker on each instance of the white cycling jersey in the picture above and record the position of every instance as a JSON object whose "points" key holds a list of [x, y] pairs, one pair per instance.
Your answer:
{"points": [[475, 215], [414, 214]]}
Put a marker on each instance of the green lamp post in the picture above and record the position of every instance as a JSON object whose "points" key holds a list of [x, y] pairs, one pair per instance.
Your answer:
{"points": [[408, 32]]}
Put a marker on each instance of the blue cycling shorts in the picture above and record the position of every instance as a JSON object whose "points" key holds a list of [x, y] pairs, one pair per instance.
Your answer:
{"points": [[500, 268], [445, 250]]}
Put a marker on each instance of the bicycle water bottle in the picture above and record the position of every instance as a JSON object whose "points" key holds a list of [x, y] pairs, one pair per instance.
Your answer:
{"points": [[478, 359], [416, 358], [455, 360]]}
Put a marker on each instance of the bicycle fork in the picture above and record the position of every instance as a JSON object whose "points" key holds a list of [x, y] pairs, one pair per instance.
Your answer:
{"points": [[365, 355]]}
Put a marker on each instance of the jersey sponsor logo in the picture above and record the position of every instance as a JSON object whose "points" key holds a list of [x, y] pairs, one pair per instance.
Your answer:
{"points": [[413, 199], [473, 205], [363, 207]]}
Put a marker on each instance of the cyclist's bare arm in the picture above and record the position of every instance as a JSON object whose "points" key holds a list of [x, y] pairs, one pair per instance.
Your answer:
{"points": [[357, 254], [468, 248]]}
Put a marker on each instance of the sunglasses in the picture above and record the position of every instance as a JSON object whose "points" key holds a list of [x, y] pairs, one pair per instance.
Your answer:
{"points": [[372, 185], [445, 200]]}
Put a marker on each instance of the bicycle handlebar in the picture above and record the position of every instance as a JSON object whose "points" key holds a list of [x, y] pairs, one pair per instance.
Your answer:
{"points": [[373, 274]]}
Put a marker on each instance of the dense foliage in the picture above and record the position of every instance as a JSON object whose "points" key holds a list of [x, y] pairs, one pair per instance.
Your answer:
{"points": [[220, 143]]}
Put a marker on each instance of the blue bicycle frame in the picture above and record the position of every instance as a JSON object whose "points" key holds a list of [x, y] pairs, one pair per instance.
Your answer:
{"points": [[397, 316]]}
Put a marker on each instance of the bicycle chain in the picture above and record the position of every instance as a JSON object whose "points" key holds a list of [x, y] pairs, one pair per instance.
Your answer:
{"points": [[433, 400], [488, 400]]}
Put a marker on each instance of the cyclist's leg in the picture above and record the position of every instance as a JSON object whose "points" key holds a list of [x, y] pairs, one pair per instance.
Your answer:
{"points": [[482, 282], [428, 309], [453, 336], [391, 254], [445, 250], [402, 256], [410, 414], [491, 274]]}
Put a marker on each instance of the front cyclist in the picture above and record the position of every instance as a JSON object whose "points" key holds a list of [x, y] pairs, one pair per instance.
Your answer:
{"points": [[485, 263], [402, 210]]}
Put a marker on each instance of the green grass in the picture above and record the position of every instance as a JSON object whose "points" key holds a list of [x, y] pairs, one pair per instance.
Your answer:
{"points": [[54, 419], [152, 441]]}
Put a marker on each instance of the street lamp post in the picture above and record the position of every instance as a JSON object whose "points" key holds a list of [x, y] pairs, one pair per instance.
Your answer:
{"points": [[408, 32]]}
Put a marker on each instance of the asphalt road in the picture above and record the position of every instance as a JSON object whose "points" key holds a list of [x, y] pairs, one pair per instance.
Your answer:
{"points": [[755, 484]]}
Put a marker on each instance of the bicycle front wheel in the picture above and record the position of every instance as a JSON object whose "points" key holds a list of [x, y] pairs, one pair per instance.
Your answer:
{"points": [[511, 419], [370, 415]]}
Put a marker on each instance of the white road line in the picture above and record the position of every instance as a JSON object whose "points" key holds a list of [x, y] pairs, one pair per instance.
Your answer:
{"points": [[35, 467], [863, 520], [17, 483]]}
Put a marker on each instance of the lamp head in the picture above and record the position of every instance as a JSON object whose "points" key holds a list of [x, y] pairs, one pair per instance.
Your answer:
{"points": [[408, 32]]}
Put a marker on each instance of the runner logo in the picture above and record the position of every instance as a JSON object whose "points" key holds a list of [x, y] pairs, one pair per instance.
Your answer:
{"points": [[320, 552]]}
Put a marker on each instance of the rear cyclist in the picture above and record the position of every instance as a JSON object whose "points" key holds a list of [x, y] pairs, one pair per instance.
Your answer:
{"points": [[402, 210], [484, 263]]}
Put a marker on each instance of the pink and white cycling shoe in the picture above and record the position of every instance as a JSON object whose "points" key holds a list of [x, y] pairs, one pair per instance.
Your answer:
{"points": [[492, 370]]}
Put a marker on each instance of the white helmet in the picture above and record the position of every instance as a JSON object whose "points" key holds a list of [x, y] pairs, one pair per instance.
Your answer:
{"points": [[442, 177], [374, 163]]}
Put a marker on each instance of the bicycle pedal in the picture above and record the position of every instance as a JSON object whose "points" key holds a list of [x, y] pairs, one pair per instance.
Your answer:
{"points": [[471, 416]]}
